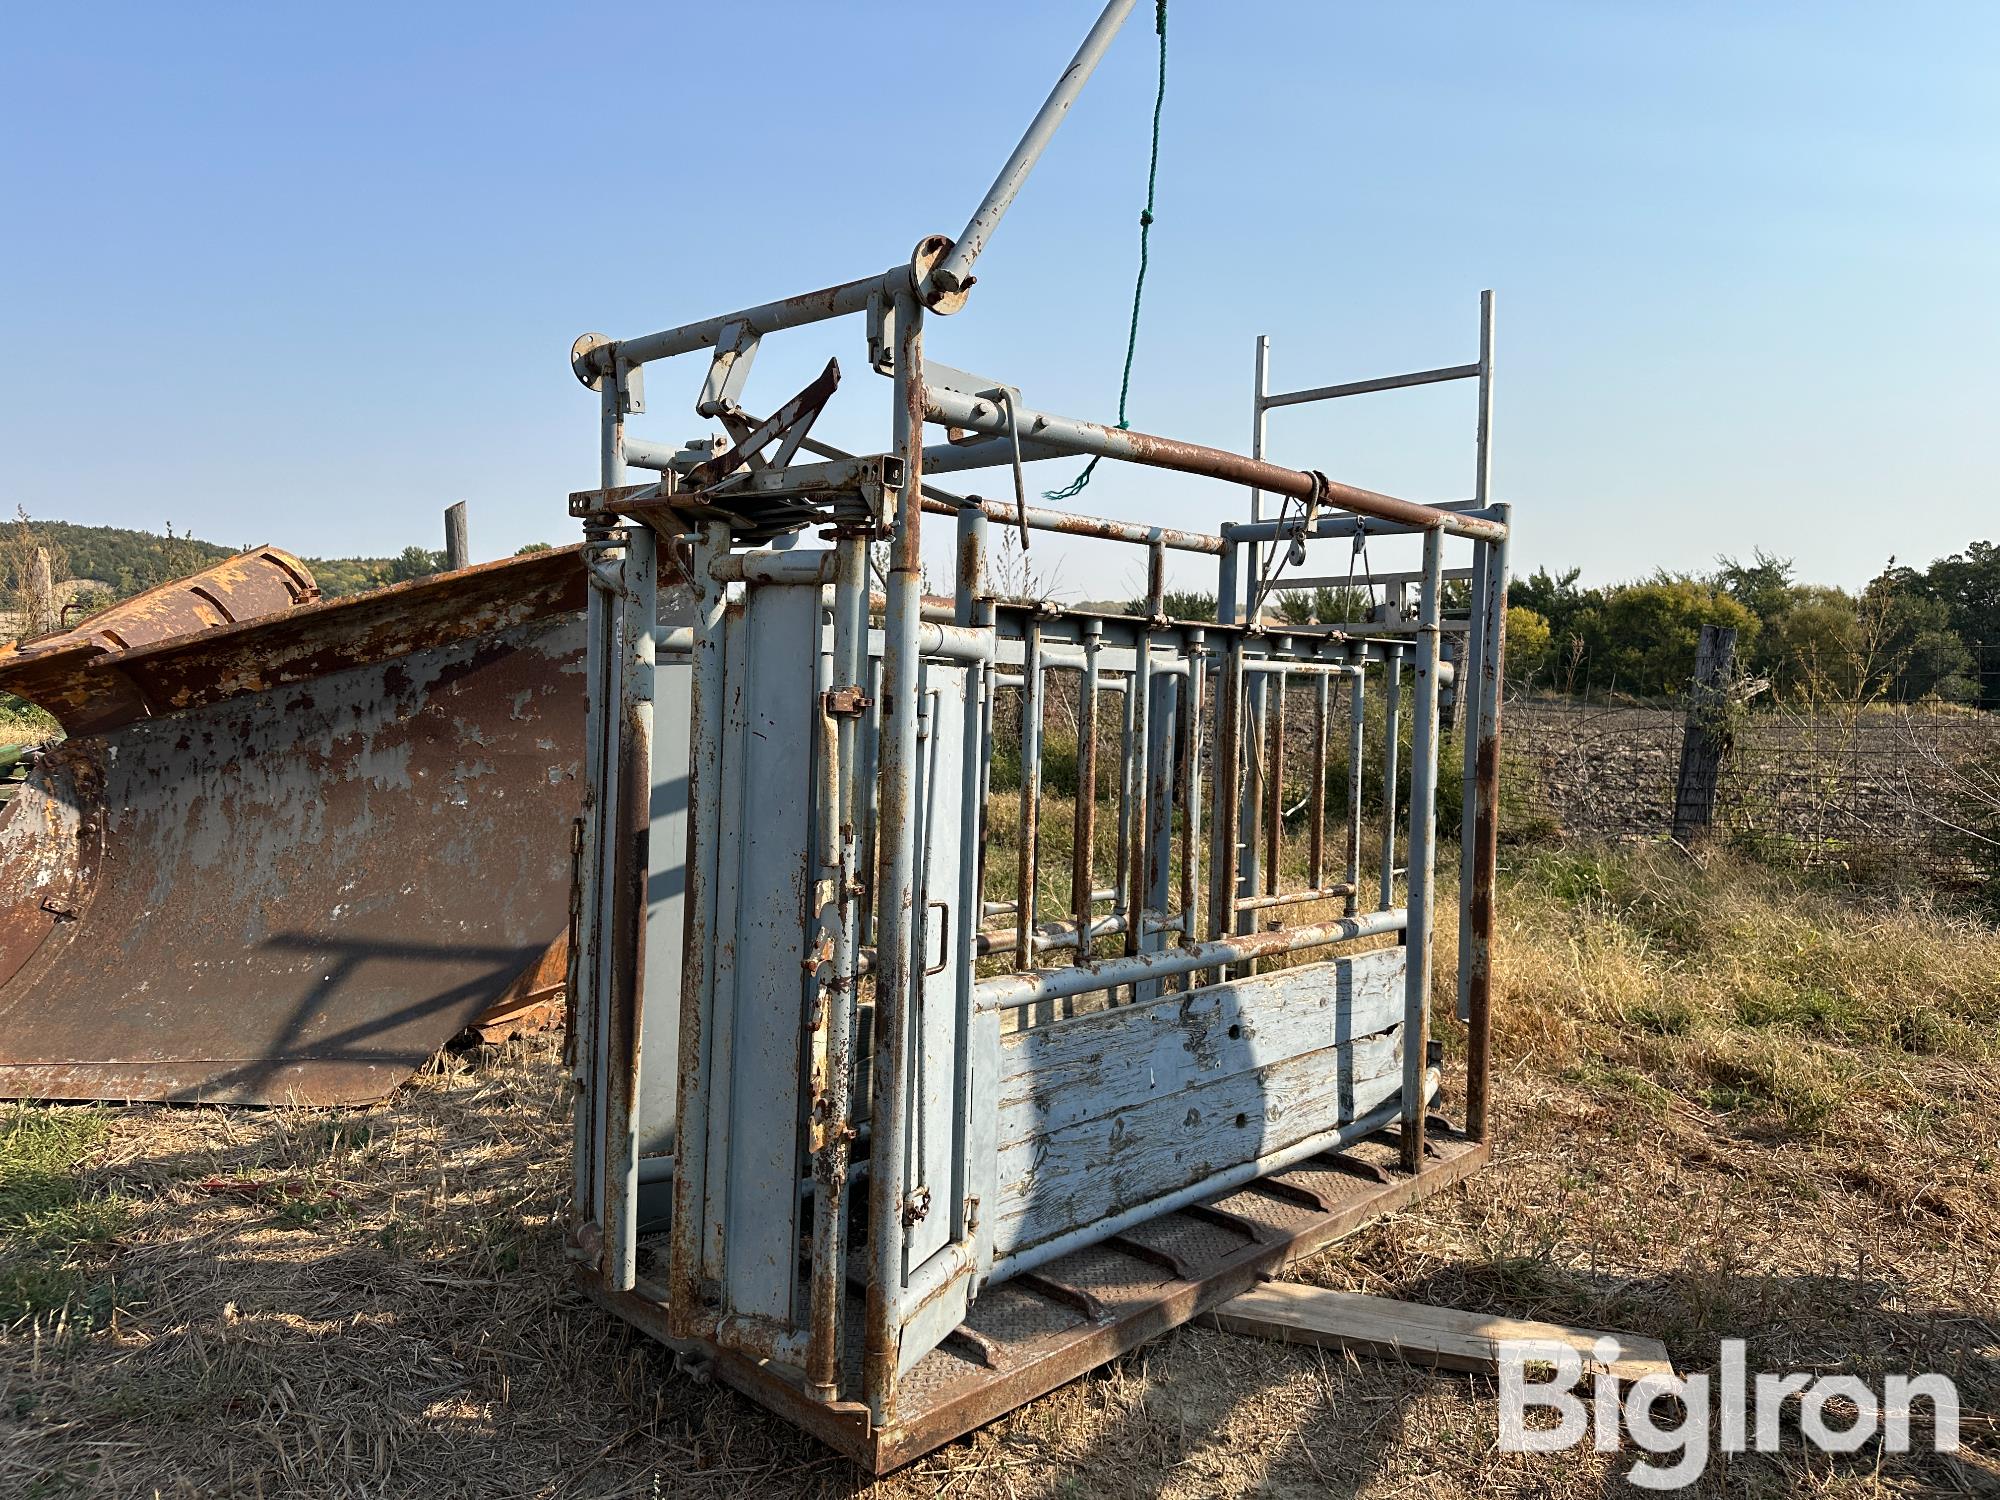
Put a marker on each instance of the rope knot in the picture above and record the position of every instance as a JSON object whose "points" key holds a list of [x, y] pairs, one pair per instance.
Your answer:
{"points": [[1145, 218]]}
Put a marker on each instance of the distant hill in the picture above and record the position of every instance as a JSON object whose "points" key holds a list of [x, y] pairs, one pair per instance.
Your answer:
{"points": [[124, 561]]}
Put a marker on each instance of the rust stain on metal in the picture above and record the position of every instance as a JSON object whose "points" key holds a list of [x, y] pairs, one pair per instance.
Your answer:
{"points": [[66, 673], [301, 852]]}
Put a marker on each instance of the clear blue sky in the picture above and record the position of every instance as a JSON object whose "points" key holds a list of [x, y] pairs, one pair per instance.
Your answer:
{"points": [[305, 274]]}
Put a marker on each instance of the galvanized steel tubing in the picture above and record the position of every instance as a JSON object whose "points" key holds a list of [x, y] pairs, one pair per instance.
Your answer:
{"points": [[638, 608], [1051, 431], [898, 969], [953, 273], [1357, 754], [1423, 851], [840, 986], [1084, 827], [1033, 986], [1392, 719], [706, 718], [1477, 907]]}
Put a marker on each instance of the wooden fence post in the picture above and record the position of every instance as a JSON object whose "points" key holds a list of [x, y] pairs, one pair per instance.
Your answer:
{"points": [[457, 545], [1706, 740]]}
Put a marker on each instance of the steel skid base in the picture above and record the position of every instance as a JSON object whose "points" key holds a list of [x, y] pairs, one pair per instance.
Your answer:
{"points": [[1043, 1329]]}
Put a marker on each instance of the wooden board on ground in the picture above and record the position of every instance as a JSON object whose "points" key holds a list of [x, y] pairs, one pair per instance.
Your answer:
{"points": [[1419, 1334]]}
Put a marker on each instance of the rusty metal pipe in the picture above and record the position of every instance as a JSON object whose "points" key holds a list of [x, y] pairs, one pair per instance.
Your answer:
{"points": [[833, 1104], [900, 968], [788, 312], [1477, 908], [1357, 755], [1274, 788], [1031, 795], [979, 415], [1190, 774], [1422, 877], [1082, 847], [1392, 719], [706, 716], [1316, 793], [1033, 986], [1295, 898]]}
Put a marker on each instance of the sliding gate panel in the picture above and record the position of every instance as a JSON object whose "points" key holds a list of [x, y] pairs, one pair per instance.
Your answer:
{"points": [[1105, 1111], [760, 951]]}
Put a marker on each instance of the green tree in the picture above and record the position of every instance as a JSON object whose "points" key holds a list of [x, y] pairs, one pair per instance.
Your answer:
{"points": [[1529, 651], [1642, 638], [1817, 643], [1922, 654], [1968, 583], [413, 563], [1324, 606]]}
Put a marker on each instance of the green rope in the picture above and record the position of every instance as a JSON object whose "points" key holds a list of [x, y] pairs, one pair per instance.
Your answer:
{"points": [[1075, 487]]}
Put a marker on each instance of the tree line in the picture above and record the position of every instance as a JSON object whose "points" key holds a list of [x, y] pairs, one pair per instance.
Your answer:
{"points": [[1910, 634], [54, 574]]}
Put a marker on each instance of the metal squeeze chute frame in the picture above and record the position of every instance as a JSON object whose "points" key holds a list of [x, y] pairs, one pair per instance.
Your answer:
{"points": [[848, 1129]]}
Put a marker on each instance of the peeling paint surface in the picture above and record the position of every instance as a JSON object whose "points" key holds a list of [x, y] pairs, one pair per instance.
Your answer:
{"points": [[296, 892]]}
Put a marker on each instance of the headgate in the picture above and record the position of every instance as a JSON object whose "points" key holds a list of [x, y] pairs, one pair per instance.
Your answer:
{"points": [[981, 987]]}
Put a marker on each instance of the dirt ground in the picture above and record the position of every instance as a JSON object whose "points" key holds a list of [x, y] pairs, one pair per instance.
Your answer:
{"points": [[373, 1301]]}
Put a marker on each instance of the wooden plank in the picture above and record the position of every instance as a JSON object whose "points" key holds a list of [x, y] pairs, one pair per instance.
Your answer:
{"points": [[1097, 1167], [1418, 1334], [1095, 1065]]}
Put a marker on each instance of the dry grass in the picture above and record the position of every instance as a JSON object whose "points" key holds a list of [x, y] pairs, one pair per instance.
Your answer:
{"points": [[1730, 1107], [22, 723]]}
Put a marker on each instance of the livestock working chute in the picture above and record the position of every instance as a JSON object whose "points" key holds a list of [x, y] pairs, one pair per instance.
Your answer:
{"points": [[289, 846], [873, 1119]]}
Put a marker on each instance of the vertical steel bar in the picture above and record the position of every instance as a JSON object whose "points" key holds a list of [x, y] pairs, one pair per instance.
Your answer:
{"points": [[1166, 699], [1190, 771], [1474, 681], [1226, 774], [1255, 742], [833, 1102], [1392, 744], [1225, 783], [1274, 784], [1357, 761], [1138, 765], [630, 868], [1476, 910], [1128, 828], [1084, 826], [1316, 793], [897, 965], [1259, 418], [1027, 877], [1468, 687], [599, 613], [705, 747], [1423, 853]]}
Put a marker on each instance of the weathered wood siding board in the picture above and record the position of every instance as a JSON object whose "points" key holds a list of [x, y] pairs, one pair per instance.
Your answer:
{"points": [[1083, 1172], [1420, 1334], [1094, 1065]]}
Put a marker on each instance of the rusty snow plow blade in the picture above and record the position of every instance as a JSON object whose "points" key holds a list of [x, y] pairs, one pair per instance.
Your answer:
{"points": [[285, 856]]}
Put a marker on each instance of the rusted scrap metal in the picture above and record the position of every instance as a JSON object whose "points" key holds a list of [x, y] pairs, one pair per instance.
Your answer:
{"points": [[288, 857], [63, 672]]}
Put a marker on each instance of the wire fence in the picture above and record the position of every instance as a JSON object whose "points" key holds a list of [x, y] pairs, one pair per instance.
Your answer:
{"points": [[1871, 791]]}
